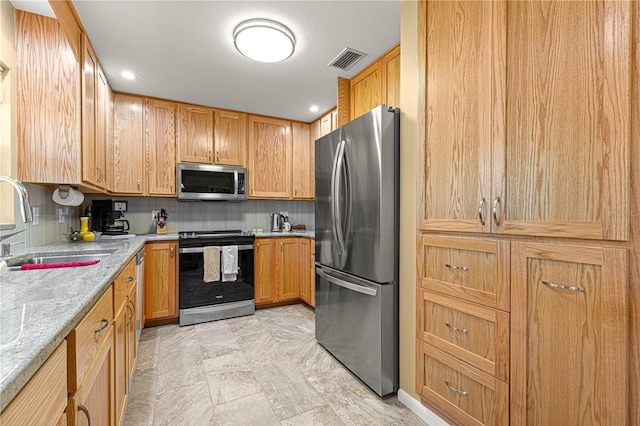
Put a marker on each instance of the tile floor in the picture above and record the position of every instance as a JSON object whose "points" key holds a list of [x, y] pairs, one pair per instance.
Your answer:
{"points": [[264, 369]]}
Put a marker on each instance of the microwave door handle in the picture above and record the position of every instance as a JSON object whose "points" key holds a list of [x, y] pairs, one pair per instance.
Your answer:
{"points": [[235, 183]]}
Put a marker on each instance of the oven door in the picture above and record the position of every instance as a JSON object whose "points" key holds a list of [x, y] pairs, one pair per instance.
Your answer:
{"points": [[195, 292]]}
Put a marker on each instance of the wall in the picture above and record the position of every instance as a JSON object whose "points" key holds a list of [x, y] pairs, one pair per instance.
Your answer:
{"points": [[408, 190]]}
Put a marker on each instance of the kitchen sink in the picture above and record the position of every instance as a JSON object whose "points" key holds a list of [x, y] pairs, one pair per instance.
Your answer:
{"points": [[43, 258]]}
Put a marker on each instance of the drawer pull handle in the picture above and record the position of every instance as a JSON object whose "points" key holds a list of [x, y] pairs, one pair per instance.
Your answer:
{"points": [[128, 280], [131, 311], [562, 287], [104, 324], [86, 413], [457, 268], [458, 391], [454, 328], [496, 203]]}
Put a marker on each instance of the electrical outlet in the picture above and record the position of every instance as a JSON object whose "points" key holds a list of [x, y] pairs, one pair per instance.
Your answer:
{"points": [[62, 214], [36, 216], [154, 213]]}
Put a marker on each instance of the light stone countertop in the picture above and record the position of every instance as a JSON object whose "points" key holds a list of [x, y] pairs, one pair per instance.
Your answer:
{"points": [[306, 234], [40, 307]]}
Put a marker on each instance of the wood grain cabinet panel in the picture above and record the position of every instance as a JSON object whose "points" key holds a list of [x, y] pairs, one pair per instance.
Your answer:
{"points": [[264, 278], [390, 68], [49, 127], [44, 398], [305, 260], [230, 138], [463, 393], [569, 334], [91, 172], [160, 287], [365, 90], [288, 268], [303, 167], [195, 134], [472, 333], [473, 269], [128, 144], [160, 147], [120, 362], [270, 150]]}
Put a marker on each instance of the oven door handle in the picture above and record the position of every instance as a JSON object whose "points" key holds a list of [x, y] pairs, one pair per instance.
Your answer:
{"points": [[201, 249]]}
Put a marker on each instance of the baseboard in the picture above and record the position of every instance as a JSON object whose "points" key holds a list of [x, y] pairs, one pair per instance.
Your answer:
{"points": [[428, 416]]}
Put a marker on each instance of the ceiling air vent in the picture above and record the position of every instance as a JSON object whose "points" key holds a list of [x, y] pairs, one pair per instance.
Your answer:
{"points": [[346, 59]]}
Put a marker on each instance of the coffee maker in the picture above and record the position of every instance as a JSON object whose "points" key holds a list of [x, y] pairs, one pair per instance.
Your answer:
{"points": [[106, 217]]}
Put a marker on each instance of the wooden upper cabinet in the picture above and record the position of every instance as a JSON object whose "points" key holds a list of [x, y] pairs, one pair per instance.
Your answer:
{"points": [[569, 335], [161, 147], [390, 68], [49, 127], [269, 157], [104, 129], [195, 134], [527, 132], [230, 135], [325, 124], [303, 169], [365, 90], [128, 144], [457, 168], [91, 172], [561, 158]]}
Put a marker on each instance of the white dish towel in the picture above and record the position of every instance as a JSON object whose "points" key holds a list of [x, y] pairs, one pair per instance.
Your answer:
{"points": [[229, 263]]}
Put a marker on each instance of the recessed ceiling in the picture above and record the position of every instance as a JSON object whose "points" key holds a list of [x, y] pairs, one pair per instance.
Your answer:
{"points": [[184, 51]]}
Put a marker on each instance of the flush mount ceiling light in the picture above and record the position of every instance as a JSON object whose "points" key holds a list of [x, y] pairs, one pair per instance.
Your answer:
{"points": [[128, 75], [264, 40]]}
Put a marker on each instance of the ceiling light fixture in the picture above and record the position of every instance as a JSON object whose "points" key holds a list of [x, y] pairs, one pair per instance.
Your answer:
{"points": [[128, 75], [314, 108], [264, 40]]}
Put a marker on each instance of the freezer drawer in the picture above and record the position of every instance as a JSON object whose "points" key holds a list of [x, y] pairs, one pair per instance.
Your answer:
{"points": [[356, 322]]}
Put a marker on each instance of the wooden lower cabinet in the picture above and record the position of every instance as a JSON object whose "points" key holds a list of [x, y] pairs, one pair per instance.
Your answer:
{"points": [[42, 401], [287, 268], [264, 271], [161, 272], [94, 398], [459, 391], [120, 362], [569, 335], [132, 344], [307, 271]]}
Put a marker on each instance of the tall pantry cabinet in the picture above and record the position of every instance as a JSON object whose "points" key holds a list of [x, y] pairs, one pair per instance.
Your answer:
{"points": [[526, 135]]}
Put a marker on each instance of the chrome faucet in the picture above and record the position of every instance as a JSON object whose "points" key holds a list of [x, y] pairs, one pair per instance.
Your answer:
{"points": [[23, 196]]}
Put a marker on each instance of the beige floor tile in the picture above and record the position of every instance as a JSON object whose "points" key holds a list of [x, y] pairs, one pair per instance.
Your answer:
{"points": [[179, 369], [142, 396], [231, 361], [323, 416], [250, 410], [186, 406], [225, 386]]}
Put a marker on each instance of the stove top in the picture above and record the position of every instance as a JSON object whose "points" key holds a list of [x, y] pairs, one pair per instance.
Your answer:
{"points": [[213, 234]]}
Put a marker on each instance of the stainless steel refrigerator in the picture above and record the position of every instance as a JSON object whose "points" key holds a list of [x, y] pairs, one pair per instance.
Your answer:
{"points": [[357, 226]]}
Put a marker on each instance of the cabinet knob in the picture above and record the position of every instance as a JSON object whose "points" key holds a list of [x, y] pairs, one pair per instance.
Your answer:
{"points": [[171, 186], [138, 184], [171, 252], [217, 157], [209, 155]]}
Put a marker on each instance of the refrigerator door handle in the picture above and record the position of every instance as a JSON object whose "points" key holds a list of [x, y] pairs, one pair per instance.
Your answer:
{"points": [[336, 201], [333, 193], [350, 286]]}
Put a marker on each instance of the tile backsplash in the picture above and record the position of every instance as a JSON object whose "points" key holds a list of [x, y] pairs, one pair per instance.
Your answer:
{"points": [[183, 216]]}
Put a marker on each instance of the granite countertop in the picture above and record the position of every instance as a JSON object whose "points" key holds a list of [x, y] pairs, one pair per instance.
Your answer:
{"points": [[306, 234], [40, 307]]}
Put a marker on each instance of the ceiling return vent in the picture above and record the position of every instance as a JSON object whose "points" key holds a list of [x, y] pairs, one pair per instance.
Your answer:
{"points": [[346, 59]]}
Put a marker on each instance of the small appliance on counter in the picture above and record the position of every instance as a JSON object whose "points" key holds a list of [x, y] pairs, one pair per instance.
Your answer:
{"points": [[161, 222], [107, 217], [279, 222]]}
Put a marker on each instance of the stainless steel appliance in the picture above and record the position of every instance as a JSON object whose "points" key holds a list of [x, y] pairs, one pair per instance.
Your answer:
{"points": [[206, 182], [356, 218], [107, 217], [201, 301], [277, 222], [140, 290]]}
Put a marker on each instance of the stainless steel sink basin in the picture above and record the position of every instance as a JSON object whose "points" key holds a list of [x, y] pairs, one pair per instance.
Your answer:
{"points": [[56, 258]]}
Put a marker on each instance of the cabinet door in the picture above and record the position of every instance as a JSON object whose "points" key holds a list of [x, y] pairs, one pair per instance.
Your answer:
{"points": [[365, 90], [390, 68], [325, 125], [269, 157], [569, 335], [457, 155], [128, 144], [132, 348], [161, 147], [288, 268], [95, 396], [120, 361], [303, 167], [103, 104], [230, 138], [195, 134], [48, 136], [561, 168], [90, 172], [160, 280], [264, 278], [305, 273]]}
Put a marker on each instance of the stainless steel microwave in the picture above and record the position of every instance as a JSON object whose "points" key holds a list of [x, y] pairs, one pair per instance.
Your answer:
{"points": [[206, 182]]}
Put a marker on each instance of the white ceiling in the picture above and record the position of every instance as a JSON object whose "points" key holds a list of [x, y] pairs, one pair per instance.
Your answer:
{"points": [[183, 50]]}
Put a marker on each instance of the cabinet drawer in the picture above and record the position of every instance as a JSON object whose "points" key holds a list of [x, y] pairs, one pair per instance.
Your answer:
{"points": [[460, 391], [123, 284], [473, 269], [86, 339], [473, 333], [43, 399]]}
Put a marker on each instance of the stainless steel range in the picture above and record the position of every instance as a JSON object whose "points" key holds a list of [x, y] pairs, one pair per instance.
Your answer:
{"points": [[225, 293]]}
